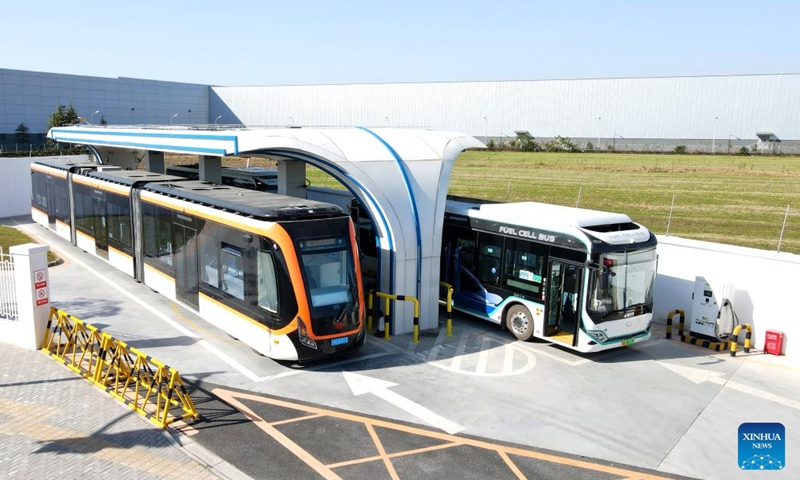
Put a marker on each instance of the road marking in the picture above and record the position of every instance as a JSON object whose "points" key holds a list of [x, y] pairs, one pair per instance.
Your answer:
{"points": [[509, 349], [483, 357], [232, 397], [382, 453], [273, 432], [512, 466], [361, 384], [698, 375], [462, 346], [437, 345]]}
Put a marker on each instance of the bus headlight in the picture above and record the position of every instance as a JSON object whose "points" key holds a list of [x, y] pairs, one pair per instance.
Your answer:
{"points": [[302, 333], [599, 336]]}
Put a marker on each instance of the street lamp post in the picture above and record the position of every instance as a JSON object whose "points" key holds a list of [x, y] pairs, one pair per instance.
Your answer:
{"points": [[215, 120], [599, 124], [730, 136], [91, 117], [713, 134], [387, 121], [485, 129], [170, 118], [291, 121]]}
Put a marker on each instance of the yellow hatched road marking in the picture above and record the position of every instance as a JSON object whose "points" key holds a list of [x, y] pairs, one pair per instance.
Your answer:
{"points": [[232, 398]]}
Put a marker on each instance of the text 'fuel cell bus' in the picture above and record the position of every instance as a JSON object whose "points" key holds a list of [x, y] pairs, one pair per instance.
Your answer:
{"points": [[580, 278], [279, 273]]}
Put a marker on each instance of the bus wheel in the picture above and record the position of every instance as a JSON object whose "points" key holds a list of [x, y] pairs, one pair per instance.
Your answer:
{"points": [[519, 322]]}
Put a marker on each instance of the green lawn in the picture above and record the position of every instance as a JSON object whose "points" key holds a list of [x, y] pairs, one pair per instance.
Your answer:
{"points": [[738, 200], [11, 236]]}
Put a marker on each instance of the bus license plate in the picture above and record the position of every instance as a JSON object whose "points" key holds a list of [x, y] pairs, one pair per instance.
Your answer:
{"points": [[339, 341], [627, 342]]}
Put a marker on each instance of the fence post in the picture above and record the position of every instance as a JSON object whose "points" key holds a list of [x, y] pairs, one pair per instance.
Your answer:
{"points": [[33, 293]]}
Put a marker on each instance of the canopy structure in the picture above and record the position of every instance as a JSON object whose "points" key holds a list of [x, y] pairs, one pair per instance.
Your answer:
{"points": [[399, 176]]}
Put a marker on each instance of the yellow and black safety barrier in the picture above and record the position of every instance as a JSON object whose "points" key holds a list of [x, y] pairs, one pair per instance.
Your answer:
{"points": [[680, 325], [735, 338], [138, 380], [449, 307], [387, 313], [700, 342]]}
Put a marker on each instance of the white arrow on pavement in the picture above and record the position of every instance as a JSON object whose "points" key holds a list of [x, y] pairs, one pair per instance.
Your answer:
{"points": [[698, 375], [361, 384]]}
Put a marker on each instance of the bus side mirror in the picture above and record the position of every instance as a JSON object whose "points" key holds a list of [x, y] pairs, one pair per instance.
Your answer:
{"points": [[604, 280]]}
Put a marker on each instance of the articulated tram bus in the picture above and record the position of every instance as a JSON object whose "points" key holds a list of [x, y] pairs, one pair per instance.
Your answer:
{"points": [[579, 278], [279, 273]]}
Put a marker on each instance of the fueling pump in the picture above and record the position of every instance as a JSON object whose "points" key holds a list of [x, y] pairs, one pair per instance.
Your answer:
{"points": [[710, 318]]}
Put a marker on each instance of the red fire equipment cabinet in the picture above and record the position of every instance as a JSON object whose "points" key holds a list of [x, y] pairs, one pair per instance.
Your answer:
{"points": [[773, 342]]}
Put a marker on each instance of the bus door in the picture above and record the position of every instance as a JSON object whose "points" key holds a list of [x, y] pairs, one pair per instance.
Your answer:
{"points": [[100, 226], [563, 300], [50, 190], [184, 243]]}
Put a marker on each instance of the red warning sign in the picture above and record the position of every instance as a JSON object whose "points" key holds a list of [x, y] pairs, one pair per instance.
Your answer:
{"points": [[40, 278], [41, 296]]}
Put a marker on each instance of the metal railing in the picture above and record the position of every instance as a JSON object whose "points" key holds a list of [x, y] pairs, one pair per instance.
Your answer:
{"points": [[8, 291]]}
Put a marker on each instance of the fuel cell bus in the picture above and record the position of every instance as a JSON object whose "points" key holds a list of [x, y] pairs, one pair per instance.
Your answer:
{"points": [[579, 278], [279, 273]]}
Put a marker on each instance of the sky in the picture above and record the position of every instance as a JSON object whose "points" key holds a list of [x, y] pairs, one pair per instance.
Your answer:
{"points": [[303, 42]]}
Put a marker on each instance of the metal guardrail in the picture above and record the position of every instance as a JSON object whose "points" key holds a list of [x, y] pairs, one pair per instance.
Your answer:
{"points": [[680, 325], [143, 383], [700, 342], [735, 338], [387, 311]]}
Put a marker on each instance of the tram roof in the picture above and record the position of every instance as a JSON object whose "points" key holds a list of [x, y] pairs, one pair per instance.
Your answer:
{"points": [[66, 163], [268, 206], [131, 177]]}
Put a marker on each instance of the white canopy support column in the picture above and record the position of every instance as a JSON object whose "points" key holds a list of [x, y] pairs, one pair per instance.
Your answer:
{"points": [[210, 168], [154, 161], [292, 178]]}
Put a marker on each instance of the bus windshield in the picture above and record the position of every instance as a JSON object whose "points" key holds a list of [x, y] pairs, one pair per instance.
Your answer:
{"points": [[623, 285], [331, 284]]}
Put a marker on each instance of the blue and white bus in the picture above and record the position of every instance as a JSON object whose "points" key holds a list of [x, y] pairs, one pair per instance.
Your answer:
{"points": [[579, 278]]}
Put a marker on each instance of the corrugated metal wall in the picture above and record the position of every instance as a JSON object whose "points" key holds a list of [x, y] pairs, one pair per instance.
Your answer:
{"points": [[670, 108], [30, 97]]}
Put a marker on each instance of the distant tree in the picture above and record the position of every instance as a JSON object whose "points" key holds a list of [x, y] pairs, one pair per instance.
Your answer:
{"points": [[560, 144], [680, 149], [62, 116], [103, 120], [21, 133]]}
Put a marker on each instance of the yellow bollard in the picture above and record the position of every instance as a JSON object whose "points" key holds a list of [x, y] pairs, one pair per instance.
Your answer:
{"points": [[449, 330]]}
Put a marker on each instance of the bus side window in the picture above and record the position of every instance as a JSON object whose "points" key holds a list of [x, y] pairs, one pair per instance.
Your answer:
{"points": [[489, 259], [467, 252]]}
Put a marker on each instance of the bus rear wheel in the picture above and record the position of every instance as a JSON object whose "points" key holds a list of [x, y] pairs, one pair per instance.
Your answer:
{"points": [[519, 322]]}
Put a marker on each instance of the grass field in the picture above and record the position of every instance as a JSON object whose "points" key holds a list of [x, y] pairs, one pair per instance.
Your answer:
{"points": [[739, 200], [10, 237]]}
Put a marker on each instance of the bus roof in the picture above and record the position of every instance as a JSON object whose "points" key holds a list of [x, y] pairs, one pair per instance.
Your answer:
{"points": [[534, 214], [267, 206], [527, 217]]}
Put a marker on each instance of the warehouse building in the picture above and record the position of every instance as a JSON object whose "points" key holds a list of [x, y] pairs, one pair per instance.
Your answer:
{"points": [[717, 114]]}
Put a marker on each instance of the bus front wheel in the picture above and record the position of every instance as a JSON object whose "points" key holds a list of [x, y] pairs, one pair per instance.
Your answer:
{"points": [[519, 322]]}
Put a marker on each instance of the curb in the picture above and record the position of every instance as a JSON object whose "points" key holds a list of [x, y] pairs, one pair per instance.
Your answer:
{"points": [[211, 461]]}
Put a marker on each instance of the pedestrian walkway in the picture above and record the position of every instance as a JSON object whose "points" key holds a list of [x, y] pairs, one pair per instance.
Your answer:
{"points": [[54, 424]]}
